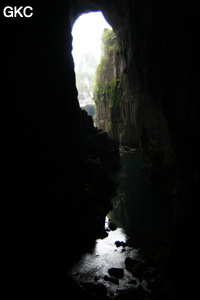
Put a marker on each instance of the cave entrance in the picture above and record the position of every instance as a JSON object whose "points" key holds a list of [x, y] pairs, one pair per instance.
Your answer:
{"points": [[87, 32]]}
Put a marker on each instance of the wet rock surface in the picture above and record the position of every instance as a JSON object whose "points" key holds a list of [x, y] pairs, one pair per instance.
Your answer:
{"points": [[105, 265], [141, 277], [148, 280], [125, 271]]}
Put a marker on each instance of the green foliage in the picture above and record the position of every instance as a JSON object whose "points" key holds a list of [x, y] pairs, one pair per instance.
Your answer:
{"points": [[110, 91], [108, 82], [109, 41], [107, 90]]}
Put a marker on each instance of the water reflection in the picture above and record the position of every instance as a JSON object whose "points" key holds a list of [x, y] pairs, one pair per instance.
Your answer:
{"points": [[94, 266], [139, 215]]}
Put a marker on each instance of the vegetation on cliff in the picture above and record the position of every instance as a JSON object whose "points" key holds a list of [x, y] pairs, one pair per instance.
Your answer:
{"points": [[107, 86], [109, 41], [110, 90]]}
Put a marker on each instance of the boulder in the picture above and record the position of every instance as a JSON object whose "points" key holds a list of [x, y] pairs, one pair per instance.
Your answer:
{"points": [[118, 244], [123, 244], [116, 272], [112, 226]]}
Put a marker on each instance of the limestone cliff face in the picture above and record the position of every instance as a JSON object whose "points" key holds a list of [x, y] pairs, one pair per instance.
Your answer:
{"points": [[112, 95]]}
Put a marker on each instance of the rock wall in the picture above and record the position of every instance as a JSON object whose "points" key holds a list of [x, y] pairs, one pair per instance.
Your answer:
{"points": [[114, 109]]}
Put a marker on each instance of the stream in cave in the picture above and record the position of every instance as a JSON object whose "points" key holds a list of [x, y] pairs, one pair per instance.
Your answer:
{"points": [[132, 192]]}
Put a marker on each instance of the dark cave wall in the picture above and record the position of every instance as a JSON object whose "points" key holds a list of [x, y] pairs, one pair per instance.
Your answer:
{"points": [[52, 201], [40, 105], [41, 137]]}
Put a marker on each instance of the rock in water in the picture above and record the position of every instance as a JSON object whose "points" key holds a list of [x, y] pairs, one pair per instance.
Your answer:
{"points": [[118, 244], [112, 226], [116, 272]]}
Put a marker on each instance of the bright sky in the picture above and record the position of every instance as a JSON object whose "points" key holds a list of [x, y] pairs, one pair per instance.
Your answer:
{"points": [[87, 32]]}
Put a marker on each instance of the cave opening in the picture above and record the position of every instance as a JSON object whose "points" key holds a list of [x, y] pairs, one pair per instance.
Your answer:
{"points": [[48, 178], [86, 51], [131, 222], [139, 221]]}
